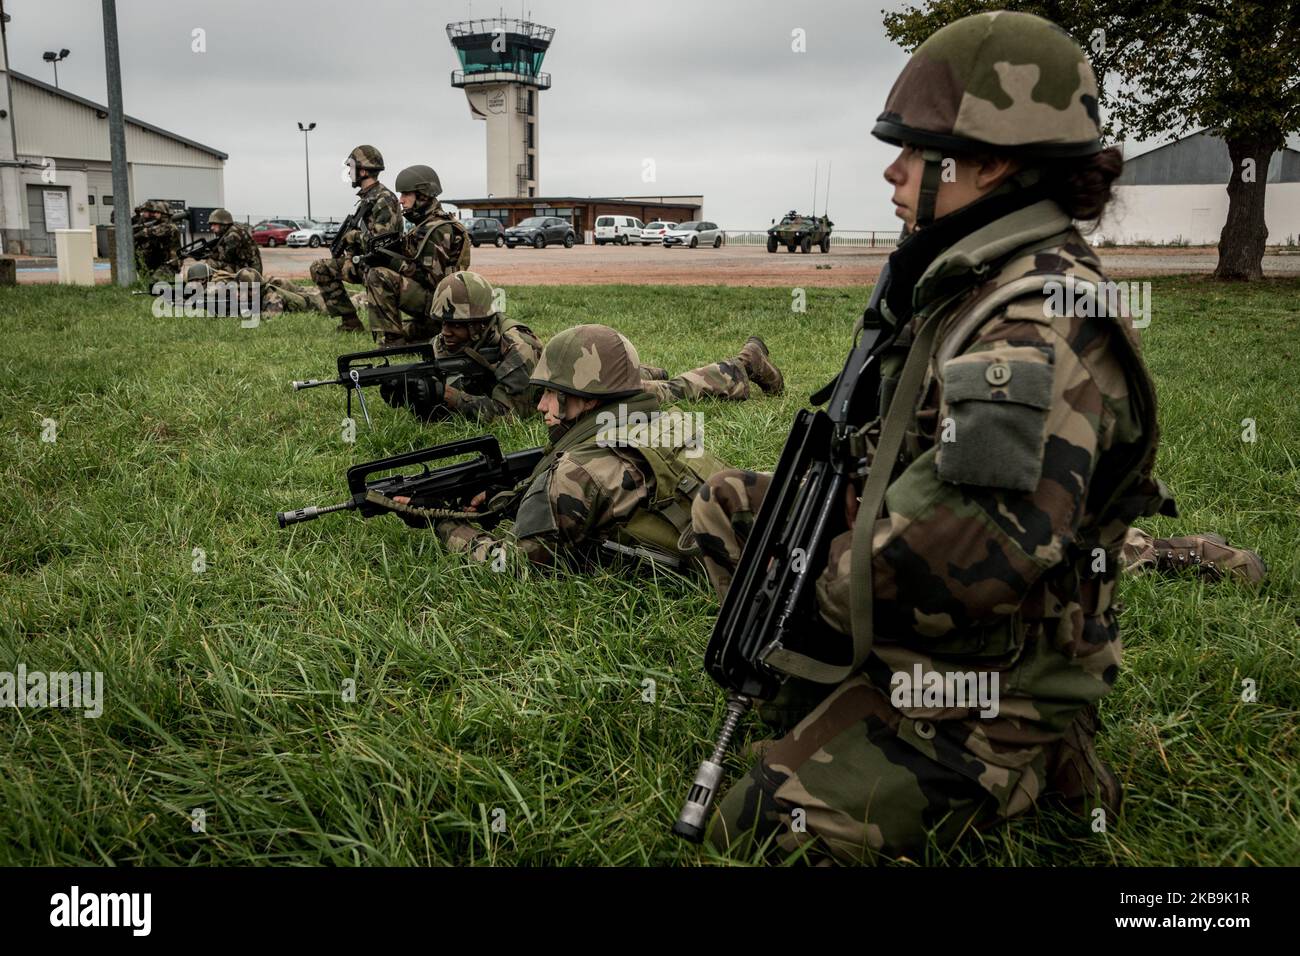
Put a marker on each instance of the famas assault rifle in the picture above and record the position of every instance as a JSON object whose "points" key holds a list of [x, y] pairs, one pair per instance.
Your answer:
{"points": [[197, 248], [409, 383], [452, 486], [770, 606]]}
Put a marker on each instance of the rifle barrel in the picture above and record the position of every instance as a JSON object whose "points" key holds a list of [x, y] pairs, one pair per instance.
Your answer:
{"points": [[287, 518], [317, 382]]}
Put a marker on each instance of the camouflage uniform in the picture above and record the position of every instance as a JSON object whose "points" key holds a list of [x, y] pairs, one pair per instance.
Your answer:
{"points": [[383, 216], [437, 246], [467, 297], [273, 296], [601, 481], [235, 250], [986, 559], [157, 244], [279, 295], [727, 380]]}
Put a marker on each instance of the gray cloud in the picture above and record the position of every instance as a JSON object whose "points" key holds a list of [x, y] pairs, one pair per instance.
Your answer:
{"points": [[710, 90]]}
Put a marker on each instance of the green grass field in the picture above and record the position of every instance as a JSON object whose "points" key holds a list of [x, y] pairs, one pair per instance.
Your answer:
{"points": [[519, 698]]}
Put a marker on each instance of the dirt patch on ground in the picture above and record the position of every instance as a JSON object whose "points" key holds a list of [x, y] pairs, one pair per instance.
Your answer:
{"points": [[729, 265]]}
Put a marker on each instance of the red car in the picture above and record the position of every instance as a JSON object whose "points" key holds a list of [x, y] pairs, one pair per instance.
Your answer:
{"points": [[273, 232]]}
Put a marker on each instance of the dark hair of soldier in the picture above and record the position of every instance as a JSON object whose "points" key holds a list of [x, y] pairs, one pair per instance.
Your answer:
{"points": [[1081, 186]]}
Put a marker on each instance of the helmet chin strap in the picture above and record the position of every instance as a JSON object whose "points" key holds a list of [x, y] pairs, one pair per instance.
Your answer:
{"points": [[929, 187]]}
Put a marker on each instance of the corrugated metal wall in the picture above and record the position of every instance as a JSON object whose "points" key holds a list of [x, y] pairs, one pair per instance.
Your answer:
{"points": [[1199, 159], [50, 125], [197, 187]]}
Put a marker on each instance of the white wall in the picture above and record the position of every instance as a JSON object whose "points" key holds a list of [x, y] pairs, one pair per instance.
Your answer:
{"points": [[1195, 213]]}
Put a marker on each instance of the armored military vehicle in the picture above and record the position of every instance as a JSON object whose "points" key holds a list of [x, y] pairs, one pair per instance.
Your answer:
{"points": [[800, 232]]}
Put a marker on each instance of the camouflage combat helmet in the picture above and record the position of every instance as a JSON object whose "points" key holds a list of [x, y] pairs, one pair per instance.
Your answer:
{"points": [[463, 297], [198, 272], [1011, 82], [221, 216], [421, 180], [366, 157], [590, 361], [158, 205]]}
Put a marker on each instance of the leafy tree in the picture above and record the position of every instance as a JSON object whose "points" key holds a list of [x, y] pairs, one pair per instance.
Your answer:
{"points": [[1230, 67]]}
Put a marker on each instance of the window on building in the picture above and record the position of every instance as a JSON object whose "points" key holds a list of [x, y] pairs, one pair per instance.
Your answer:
{"points": [[108, 200], [531, 191], [528, 135], [90, 199], [530, 168]]}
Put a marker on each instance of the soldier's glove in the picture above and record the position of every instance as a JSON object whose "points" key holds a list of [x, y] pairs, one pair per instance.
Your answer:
{"points": [[422, 395]]}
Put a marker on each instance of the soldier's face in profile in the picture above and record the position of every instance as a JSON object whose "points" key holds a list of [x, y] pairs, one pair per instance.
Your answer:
{"points": [[961, 182], [407, 200], [558, 408]]}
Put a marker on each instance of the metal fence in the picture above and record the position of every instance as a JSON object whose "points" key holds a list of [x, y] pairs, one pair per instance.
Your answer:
{"points": [[864, 238]]}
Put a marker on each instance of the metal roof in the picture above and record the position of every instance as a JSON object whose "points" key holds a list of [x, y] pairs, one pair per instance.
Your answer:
{"points": [[104, 109]]}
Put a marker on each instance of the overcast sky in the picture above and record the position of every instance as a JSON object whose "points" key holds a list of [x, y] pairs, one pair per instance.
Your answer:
{"points": [[711, 91]]}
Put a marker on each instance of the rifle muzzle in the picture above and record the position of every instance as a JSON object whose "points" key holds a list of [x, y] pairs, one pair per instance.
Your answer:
{"points": [[287, 518], [313, 383]]}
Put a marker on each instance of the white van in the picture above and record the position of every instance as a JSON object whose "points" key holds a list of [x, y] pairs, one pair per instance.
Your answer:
{"points": [[618, 229]]}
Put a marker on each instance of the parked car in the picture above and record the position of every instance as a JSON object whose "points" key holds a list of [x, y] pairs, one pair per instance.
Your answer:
{"points": [[274, 232], [618, 229], [655, 232], [486, 230], [537, 231], [312, 234], [692, 234], [332, 230]]}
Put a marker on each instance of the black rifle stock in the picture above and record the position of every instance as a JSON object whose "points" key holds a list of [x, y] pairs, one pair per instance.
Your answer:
{"points": [[356, 220], [451, 486], [770, 603], [408, 382], [197, 248]]}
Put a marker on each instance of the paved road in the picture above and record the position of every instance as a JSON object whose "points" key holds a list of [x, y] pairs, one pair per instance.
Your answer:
{"points": [[729, 265]]}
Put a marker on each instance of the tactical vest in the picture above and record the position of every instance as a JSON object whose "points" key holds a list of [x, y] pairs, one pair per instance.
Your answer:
{"points": [[663, 524], [954, 320]]}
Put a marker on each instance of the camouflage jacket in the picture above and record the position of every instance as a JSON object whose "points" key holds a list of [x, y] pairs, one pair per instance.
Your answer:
{"points": [[157, 243], [592, 490], [993, 557], [382, 218], [236, 250], [437, 247], [512, 394]]}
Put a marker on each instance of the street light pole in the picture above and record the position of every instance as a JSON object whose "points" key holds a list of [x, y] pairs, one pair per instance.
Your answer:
{"points": [[124, 241], [52, 58], [306, 158]]}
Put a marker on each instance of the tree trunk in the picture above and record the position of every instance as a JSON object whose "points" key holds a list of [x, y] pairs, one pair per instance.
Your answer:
{"points": [[1241, 244]]}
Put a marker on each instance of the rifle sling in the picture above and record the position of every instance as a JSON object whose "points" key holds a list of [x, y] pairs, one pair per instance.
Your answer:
{"points": [[897, 417]]}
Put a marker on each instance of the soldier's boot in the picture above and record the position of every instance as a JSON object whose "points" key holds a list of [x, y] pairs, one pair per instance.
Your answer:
{"points": [[1210, 556], [753, 357], [349, 322], [387, 340], [1077, 777], [651, 373]]}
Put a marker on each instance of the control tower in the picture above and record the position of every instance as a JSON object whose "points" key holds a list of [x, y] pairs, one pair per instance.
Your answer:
{"points": [[501, 62]]}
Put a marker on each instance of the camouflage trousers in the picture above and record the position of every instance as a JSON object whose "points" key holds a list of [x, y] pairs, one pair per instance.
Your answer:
{"points": [[329, 276], [393, 295], [280, 295], [852, 777], [722, 380]]}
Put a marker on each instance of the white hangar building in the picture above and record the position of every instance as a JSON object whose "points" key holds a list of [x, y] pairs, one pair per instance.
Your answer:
{"points": [[56, 172], [1179, 191]]}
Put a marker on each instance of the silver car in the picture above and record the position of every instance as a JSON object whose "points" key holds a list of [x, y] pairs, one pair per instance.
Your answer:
{"points": [[693, 234], [308, 233]]}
